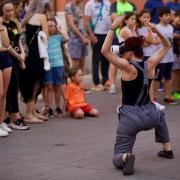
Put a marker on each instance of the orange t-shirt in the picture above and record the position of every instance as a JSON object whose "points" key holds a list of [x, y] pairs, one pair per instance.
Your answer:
{"points": [[74, 95]]}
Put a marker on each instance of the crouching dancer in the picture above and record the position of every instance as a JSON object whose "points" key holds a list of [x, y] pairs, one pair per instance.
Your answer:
{"points": [[137, 113]]}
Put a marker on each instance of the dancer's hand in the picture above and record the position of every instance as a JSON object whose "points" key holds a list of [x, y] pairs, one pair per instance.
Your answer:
{"points": [[152, 27], [118, 22]]}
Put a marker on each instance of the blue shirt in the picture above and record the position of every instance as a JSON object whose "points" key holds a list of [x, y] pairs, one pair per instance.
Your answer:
{"points": [[153, 5], [55, 51], [173, 6]]}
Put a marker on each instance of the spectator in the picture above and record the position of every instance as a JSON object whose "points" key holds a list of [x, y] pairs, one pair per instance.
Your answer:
{"points": [[5, 75], [32, 77], [150, 42], [78, 38], [128, 28], [97, 23], [54, 79], [153, 5], [18, 57], [164, 69], [76, 102], [118, 8], [176, 50]]}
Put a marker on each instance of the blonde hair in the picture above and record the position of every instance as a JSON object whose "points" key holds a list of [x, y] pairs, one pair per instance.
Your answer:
{"points": [[35, 6]]}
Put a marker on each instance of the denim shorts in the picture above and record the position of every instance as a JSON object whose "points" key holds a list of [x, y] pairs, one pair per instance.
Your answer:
{"points": [[5, 60], [54, 76], [77, 48]]}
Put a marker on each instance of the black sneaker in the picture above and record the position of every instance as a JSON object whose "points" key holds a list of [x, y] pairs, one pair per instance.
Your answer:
{"points": [[166, 154], [128, 168], [51, 113], [7, 121], [58, 111], [19, 124]]}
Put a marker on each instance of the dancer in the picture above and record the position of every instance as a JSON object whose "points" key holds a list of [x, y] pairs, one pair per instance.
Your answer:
{"points": [[137, 112]]}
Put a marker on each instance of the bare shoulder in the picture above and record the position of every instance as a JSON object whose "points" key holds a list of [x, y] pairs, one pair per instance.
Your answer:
{"points": [[41, 16]]}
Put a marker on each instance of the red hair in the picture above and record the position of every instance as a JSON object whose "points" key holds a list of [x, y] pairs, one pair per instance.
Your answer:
{"points": [[135, 44]]}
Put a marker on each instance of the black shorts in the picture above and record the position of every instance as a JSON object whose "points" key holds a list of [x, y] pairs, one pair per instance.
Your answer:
{"points": [[5, 60], [163, 71]]}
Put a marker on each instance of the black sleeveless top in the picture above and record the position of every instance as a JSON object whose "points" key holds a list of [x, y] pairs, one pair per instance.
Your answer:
{"points": [[132, 89]]}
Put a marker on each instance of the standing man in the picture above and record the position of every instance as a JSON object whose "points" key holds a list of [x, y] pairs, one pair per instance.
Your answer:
{"points": [[118, 8], [78, 40], [97, 23], [153, 5]]}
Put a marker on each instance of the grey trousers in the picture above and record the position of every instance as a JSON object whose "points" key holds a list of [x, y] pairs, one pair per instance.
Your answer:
{"points": [[133, 119]]}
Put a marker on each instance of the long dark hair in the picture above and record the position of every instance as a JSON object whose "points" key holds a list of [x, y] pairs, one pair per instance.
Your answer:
{"points": [[141, 13], [127, 14]]}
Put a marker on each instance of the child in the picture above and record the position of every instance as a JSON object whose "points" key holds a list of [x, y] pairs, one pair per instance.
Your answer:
{"points": [[74, 94], [164, 69], [176, 48], [54, 78], [150, 42], [150, 39], [128, 28]]}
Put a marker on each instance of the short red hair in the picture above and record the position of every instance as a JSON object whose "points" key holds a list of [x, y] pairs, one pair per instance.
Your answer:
{"points": [[135, 44]]}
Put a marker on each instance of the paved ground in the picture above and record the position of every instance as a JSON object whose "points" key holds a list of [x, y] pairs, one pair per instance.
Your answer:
{"points": [[67, 149]]}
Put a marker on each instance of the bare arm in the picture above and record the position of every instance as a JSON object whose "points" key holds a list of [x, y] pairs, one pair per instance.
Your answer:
{"points": [[155, 59], [70, 22], [121, 63], [64, 35], [44, 25], [93, 38], [4, 37]]}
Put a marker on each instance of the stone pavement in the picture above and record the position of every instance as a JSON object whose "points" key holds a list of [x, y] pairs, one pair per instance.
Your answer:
{"points": [[68, 149]]}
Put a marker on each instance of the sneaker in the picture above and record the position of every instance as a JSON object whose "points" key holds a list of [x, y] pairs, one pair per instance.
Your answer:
{"points": [[170, 101], [159, 106], [58, 111], [112, 89], [5, 127], [51, 113], [176, 96], [166, 154], [128, 168], [7, 121], [19, 124], [3, 133]]}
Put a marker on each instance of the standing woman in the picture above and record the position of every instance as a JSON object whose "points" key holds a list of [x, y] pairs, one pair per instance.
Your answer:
{"points": [[5, 75], [34, 21], [18, 57], [137, 112]]}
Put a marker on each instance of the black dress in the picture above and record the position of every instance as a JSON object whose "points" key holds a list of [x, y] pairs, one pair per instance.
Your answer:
{"points": [[33, 74]]}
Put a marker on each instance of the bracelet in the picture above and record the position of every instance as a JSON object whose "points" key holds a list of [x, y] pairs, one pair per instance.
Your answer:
{"points": [[112, 28]]}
